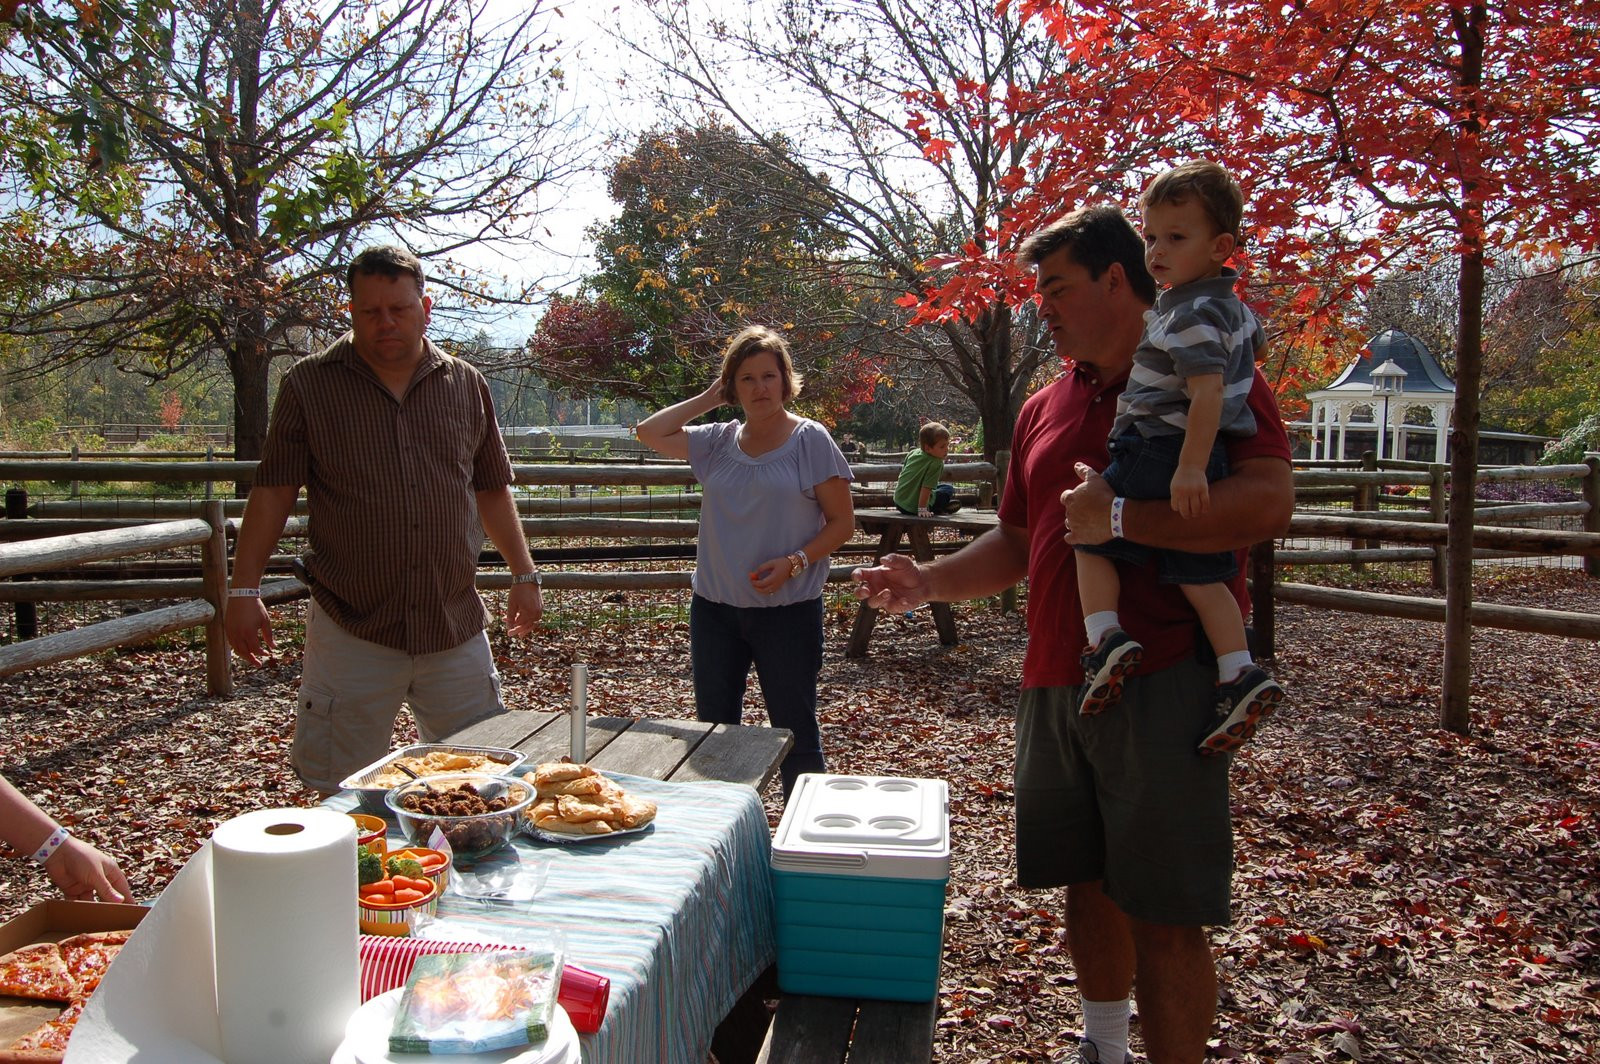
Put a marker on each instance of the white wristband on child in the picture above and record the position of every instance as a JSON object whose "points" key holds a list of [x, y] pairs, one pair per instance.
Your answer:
{"points": [[51, 845], [1116, 517]]}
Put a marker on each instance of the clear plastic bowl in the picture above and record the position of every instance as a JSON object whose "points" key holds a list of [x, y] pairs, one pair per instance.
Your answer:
{"points": [[470, 836]]}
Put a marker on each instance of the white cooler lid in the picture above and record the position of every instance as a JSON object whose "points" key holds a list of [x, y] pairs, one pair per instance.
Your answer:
{"points": [[885, 826]]}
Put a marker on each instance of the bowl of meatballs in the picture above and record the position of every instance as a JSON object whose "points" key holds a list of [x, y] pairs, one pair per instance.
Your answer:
{"points": [[477, 813]]}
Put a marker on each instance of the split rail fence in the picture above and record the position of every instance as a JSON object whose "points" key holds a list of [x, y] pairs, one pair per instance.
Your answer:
{"points": [[579, 517], [1347, 512], [576, 517]]}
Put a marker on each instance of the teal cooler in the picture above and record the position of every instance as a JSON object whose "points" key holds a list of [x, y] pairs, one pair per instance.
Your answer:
{"points": [[859, 868]]}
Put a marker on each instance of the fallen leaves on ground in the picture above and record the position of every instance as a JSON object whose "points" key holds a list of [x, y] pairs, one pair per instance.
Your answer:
{"points": [[1402, 893]]}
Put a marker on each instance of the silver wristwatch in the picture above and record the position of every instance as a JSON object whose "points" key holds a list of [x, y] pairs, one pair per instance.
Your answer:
{"points": [[528, 578]]}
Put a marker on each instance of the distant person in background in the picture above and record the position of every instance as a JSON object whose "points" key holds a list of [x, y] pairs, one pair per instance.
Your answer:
{"points": [[918, 492], [82, 872], [397, 446], [775, 503]]}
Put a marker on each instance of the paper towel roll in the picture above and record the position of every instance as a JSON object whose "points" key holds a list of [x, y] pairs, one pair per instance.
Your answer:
{"points": [[283, 897]]}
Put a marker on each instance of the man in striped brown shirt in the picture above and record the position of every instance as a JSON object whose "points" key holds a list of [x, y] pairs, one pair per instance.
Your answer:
{"points": [[397, 446]]}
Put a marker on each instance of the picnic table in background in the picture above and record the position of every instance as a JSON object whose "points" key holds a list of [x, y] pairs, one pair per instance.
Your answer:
{"points": [[891, 526]]}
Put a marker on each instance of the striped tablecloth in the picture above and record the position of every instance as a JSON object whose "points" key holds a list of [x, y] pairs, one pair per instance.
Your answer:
{"points": [[679, 917]]}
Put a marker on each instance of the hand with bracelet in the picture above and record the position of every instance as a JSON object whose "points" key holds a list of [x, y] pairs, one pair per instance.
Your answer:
{"points": [[81, 871], [1088, 517], [248, 625], [772, 574]]}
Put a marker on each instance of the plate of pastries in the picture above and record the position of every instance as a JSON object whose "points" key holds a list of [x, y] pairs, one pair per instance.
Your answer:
{"points": [[576, 803]]}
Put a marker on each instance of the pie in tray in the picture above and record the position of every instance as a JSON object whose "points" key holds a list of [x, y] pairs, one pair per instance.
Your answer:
{"points": [[67, 971]]}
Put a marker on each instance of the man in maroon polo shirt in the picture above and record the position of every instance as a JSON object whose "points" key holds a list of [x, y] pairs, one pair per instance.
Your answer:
{"points": [[398, 449], [1117, 807]]}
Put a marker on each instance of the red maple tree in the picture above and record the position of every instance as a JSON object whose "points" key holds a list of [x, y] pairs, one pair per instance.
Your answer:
{"points": [[1368, 134]]}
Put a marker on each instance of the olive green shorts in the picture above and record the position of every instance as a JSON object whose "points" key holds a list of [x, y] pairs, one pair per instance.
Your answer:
{"points": [[1123, 797]]}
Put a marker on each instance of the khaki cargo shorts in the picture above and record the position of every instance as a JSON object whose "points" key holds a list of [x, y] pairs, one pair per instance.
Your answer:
{"points": [[351, 692]]}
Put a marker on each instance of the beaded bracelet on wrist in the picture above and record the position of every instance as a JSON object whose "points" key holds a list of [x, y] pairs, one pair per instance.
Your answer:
{"points": [[51, 845]]}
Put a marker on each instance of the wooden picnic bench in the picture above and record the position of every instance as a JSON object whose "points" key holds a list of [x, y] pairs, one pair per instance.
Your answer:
{"points": [[824, 1030], [806, 1029], [891, 526]]}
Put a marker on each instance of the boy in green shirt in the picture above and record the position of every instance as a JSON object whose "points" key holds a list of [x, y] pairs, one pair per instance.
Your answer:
{"points": [[919, 492]]}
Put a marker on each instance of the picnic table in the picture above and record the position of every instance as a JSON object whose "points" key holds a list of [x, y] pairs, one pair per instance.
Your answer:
{"points": [[807, 1028], [891, 527], [634, 916]]}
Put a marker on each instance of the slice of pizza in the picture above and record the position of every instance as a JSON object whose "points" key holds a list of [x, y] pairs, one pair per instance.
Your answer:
{"points": [[53, 1034], [88, 955], [49, 1035], [37, 971]]}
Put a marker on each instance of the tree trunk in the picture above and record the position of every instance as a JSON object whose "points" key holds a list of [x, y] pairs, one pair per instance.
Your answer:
{"points": [[1455, 704], [992, 391], [251, 353], [1455, 709], [248, 363]]}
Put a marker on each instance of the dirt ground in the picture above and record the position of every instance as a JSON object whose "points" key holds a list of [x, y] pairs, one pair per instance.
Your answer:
{"points": [[1402, 893]]}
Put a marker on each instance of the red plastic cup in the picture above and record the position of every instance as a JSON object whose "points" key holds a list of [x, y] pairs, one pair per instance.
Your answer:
{"points": [[584, 994]]}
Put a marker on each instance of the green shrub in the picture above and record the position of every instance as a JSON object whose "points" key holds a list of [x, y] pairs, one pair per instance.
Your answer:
{"points": [[1574, 443], [41, 434]]}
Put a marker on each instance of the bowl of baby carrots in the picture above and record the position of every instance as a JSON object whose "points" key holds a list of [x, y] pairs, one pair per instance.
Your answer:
{"points": [[390, 905], [435, 863]]}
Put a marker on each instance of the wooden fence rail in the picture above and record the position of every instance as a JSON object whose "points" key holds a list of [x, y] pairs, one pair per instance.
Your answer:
{"points": [[206, 608], [1530, 540], [1484, 615], [96, 536], [543, 474], [90, 534]]}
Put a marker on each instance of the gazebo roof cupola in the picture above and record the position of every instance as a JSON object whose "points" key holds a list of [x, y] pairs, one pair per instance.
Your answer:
{"points": [[1424, 376]]}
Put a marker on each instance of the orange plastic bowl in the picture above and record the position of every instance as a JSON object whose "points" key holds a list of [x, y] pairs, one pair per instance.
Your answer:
{"points": [[371, 831], [440, 874], [395, 918]]}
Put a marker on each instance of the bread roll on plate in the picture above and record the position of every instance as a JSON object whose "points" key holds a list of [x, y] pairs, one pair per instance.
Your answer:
{"points": [[552, 773], [566, 827], [575, 801]]}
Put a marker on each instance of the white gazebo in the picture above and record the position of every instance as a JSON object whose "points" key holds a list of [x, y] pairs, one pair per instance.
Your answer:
{"points": [[1408, 381]]}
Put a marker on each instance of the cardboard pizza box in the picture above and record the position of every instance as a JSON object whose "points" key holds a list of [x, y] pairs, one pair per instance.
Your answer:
{"points": [[50, 921]]}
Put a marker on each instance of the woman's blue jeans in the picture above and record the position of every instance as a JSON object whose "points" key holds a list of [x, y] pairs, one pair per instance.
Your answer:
{"points": [[785, 645]]}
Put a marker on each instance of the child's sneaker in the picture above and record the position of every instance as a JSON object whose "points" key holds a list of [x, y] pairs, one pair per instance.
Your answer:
{"points": [[1241, 704], [1104, 668], [1089, 1053]]}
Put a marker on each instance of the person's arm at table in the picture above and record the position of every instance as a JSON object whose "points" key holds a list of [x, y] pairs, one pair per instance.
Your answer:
{"points": [[994, 561], [497, 511], [247, 622], [1251, 504], [80, 870]]}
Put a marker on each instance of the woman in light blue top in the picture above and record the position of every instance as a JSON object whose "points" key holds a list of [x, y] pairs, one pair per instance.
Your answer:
{"points": [[775, 503]]}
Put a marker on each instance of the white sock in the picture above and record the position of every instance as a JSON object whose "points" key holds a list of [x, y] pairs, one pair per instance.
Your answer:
{"points": [[1105, 1023], [1098, 624], [1231, 666]]}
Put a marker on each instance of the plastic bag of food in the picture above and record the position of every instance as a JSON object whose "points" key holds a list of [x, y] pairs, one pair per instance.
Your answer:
{"points": [[477, 1002]]}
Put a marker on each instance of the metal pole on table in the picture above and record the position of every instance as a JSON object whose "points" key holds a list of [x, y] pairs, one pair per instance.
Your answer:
{"points": [[576, 719]]}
